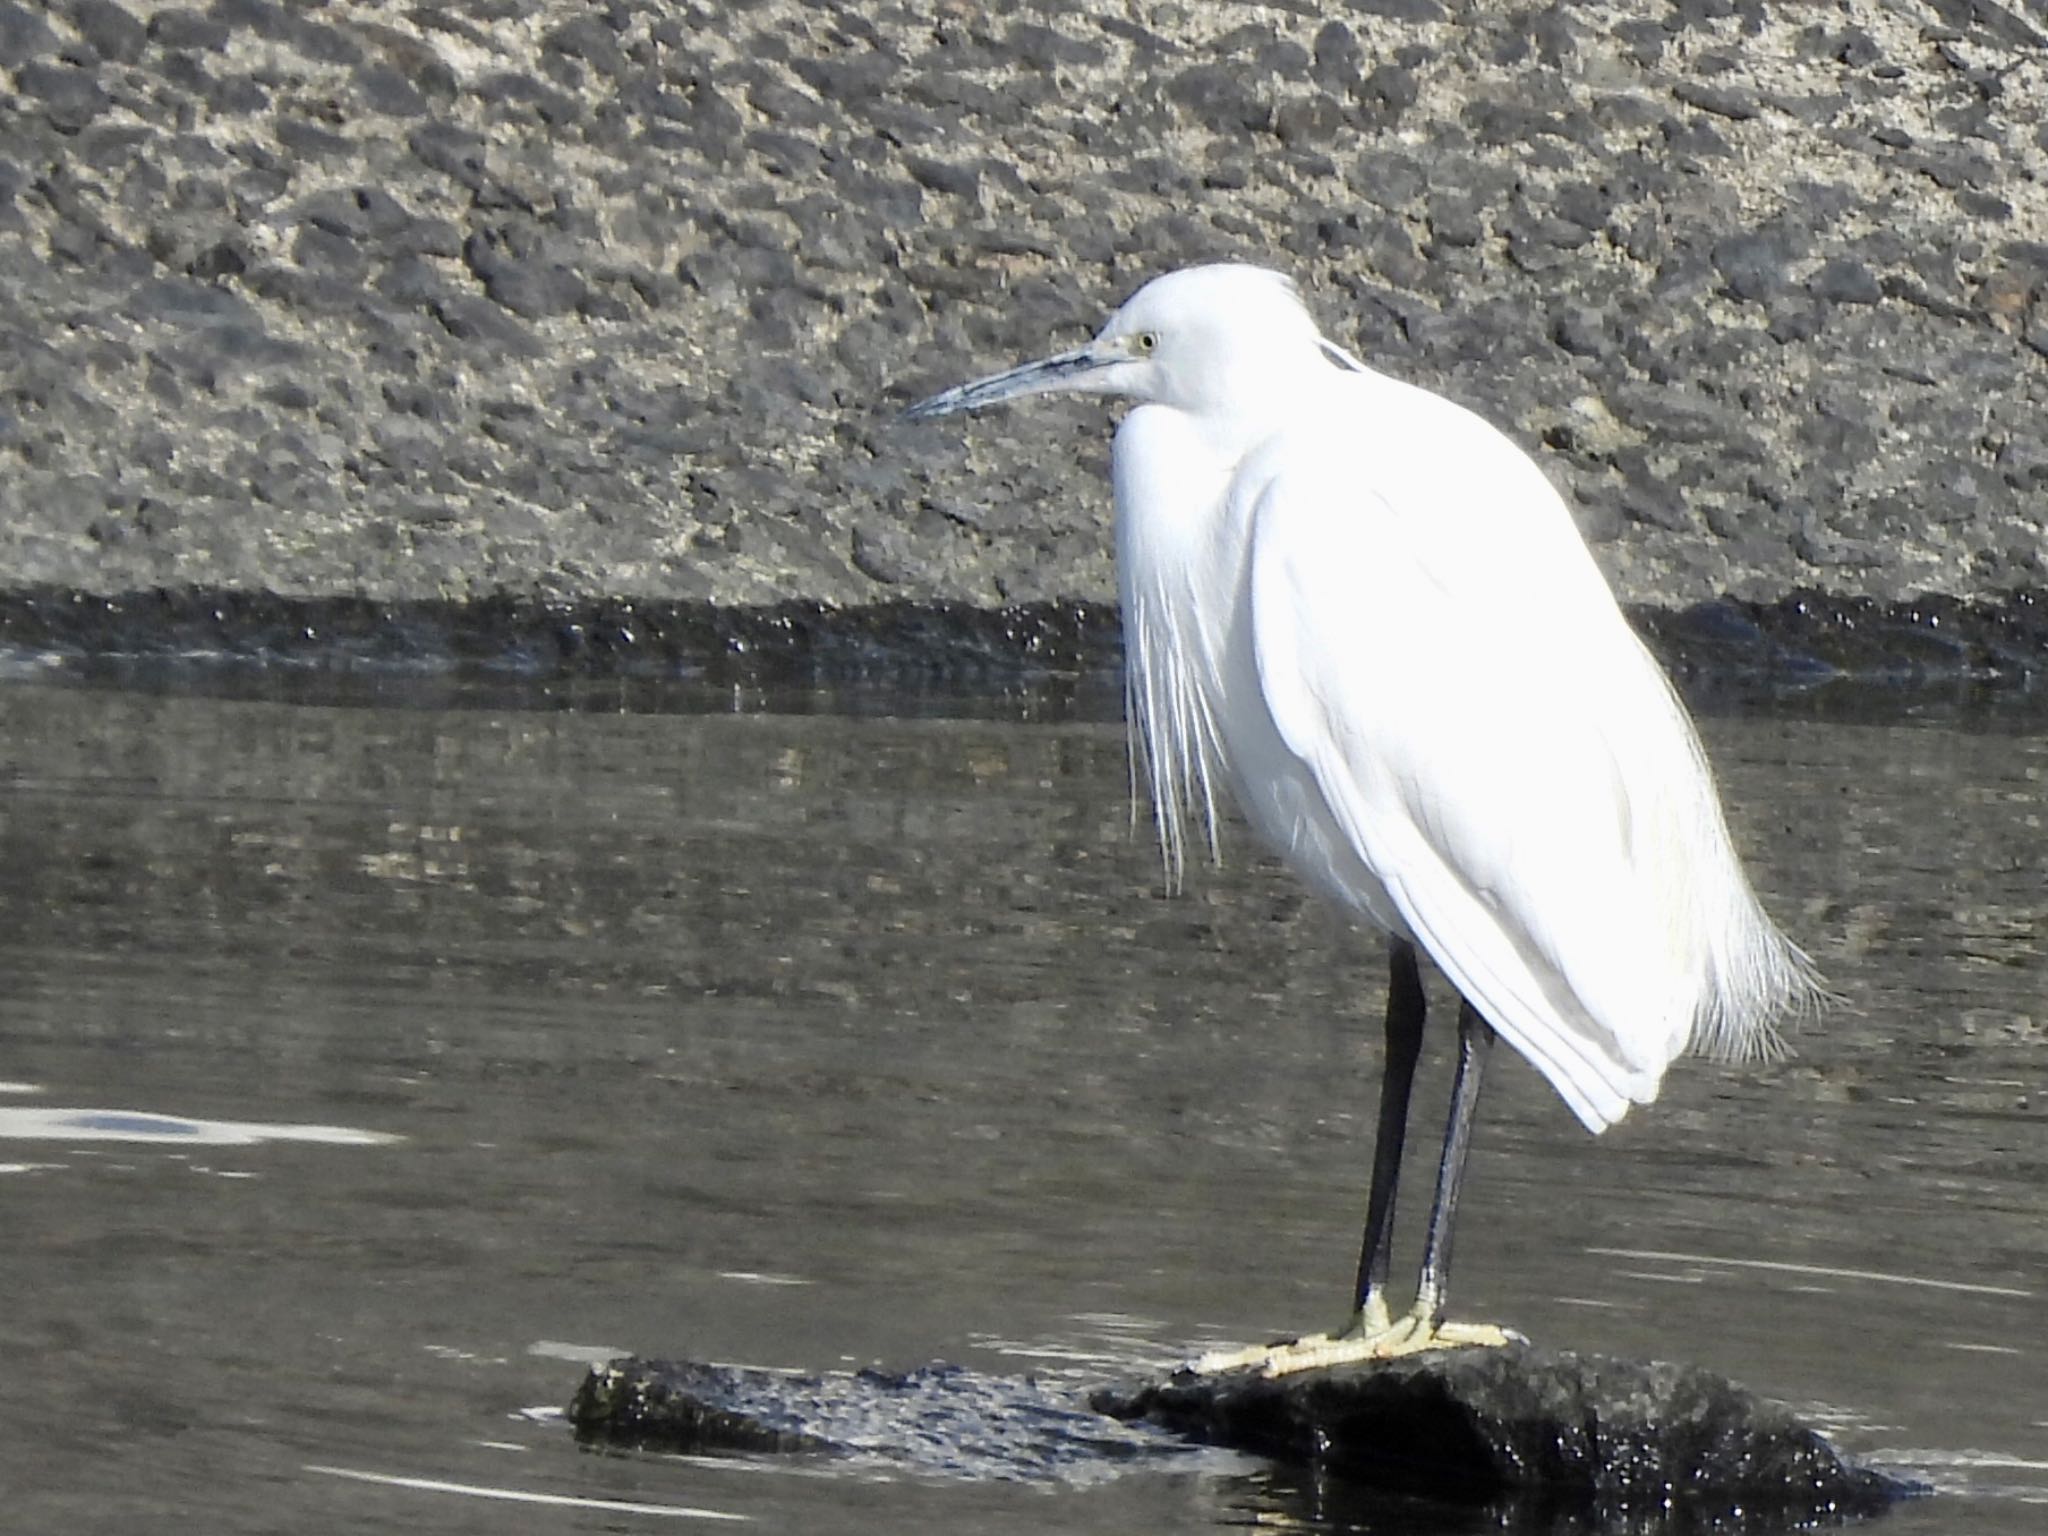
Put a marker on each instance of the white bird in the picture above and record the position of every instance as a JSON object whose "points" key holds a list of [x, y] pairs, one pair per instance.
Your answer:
{"points": [[1368, 612]]}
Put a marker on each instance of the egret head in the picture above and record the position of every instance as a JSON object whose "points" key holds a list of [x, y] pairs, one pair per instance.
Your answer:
{"points": [[1214, 338]]}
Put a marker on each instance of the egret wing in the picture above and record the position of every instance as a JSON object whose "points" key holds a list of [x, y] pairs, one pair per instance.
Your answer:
{"points": [[1459, 729]]}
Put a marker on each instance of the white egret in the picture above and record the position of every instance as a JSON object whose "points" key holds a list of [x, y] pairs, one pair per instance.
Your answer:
{"points": [[1367, 611]]}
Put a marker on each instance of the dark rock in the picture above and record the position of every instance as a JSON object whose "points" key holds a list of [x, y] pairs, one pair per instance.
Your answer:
{"points": [[1391, 89], [455, 152], [1737, 106], [70, 97], [1645, 39], [109, 29], [236, 95], [1338, 60], [690, 1407], [588, 38], [1580, 331], [310, 140], [784, 104], [1983, 206], [518, 274], [940, 176], [1540, 130], [360, 213], [521, 98], [938, 1419], [320, 249], [1220, 98], [184, 302], [1608, 1441], [1548, 230], [386, 90], [188, 29], [1455, 223], [23, 35], [1843, 280], [1401, 10], [849, 80], [423, 401], [950, 92], [1899, 286], [1585, 1439], [473, 319], [1695, 140], [1274, 57], [1043, 49], [880, 551], [1792, 323], [108, 146], [1953, 171], [1754, 266], [414, 283], [1388, 179], [1308, 121], [1674, 415]]}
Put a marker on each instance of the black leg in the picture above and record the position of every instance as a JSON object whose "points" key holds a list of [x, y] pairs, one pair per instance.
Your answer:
{"points": [[1405, 1008], [1475, 1040]]}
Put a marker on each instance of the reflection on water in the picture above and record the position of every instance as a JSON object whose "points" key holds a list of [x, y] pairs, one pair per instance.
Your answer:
{"points": [[134, 1125], [523, 1496], [810, 1041]]}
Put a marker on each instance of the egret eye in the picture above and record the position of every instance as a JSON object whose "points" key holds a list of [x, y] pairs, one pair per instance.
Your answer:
{"points": [[1144, 342]]}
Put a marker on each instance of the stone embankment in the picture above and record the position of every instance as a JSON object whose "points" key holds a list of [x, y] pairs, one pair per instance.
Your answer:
{"points": [[561, 305]]}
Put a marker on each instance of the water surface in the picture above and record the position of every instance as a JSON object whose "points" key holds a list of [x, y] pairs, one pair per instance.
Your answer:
{"points": [[367, 1062]]}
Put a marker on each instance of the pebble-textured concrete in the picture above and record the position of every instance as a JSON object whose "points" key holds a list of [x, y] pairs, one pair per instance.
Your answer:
{"points": [[427, 301]]}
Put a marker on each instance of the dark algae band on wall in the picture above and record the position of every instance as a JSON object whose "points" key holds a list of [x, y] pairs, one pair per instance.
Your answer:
{"points": [[1801, 640]]}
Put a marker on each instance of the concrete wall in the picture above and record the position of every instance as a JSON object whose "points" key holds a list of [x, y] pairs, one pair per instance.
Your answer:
{"points": [[441, 300]]}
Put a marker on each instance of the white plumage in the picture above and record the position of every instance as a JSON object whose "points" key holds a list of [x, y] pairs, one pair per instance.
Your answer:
{"points": [[1368, 613]]}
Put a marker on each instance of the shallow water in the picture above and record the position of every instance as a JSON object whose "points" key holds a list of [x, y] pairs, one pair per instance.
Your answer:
{"points": [[438, 1041]]}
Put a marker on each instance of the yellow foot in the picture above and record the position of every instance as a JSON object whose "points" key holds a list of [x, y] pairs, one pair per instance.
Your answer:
{"points": [[1359, 1341]]}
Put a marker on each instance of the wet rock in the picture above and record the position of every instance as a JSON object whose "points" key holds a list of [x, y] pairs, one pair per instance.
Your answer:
{"points": [[1611, 1443], [938, 1419], [1608, 1441]]}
